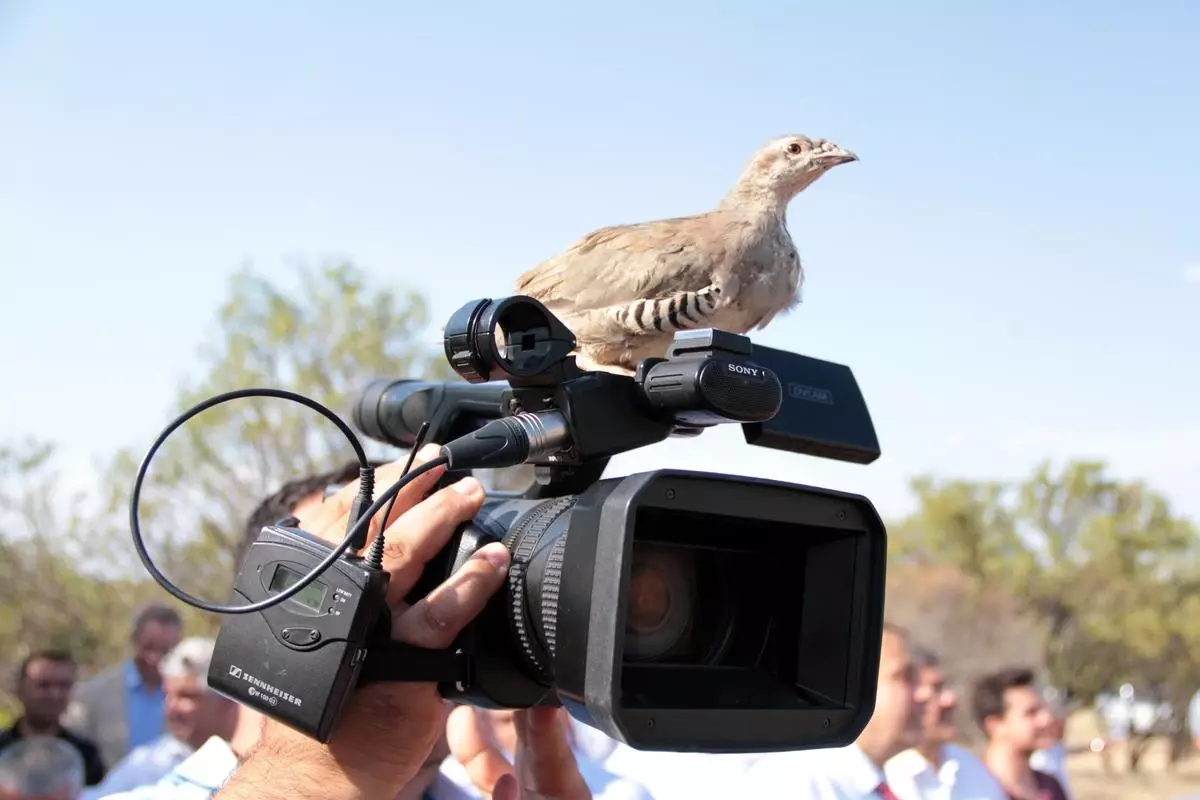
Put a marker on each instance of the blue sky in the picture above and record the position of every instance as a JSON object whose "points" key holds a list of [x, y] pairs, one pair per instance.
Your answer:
{"points": [[1013, 268]]}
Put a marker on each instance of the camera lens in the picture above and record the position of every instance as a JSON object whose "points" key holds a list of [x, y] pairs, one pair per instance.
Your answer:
{"points": [[679, 610], [661, 596], [649, 600], [680, 607]]}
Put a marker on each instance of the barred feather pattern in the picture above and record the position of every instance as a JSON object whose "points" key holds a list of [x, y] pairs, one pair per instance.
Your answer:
{"points": [[679, 311]]}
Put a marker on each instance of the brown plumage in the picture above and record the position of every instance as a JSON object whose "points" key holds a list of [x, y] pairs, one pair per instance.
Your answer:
{"points": [[624, 290]]}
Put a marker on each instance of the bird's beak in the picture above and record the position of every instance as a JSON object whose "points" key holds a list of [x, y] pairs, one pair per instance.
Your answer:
{"points": [[836, 156]]}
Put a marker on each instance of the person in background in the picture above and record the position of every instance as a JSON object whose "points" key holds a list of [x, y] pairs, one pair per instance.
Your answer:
{"points": [[122, 707], [937, 768], [1016, 721], [194, 714], [44, 684], [853, 772], [41, 768], [1053, 759], [1193, 719]]}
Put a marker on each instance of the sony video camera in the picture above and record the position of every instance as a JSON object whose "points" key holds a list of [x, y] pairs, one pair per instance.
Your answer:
{"points": [[672, 610]]}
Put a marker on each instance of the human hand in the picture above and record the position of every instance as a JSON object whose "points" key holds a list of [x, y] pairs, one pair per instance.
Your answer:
{"points": [[544, 765], [387, 729], [501, 725]]}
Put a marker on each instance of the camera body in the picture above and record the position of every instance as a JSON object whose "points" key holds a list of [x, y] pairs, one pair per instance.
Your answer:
{"points": [[672, 610]]}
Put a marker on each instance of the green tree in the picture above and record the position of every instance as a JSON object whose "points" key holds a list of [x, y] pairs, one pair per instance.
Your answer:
{"points": [[46, 599], [1102, 549], [973, 625], [324, 338], [1103, 565], [72, 578], [967, 524]]}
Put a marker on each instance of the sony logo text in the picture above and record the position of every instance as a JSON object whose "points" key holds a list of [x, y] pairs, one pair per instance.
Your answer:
{"points": [[742, 369], [260, 688]]}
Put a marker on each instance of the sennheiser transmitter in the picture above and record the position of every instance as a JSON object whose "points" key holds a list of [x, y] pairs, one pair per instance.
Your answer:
{"points": [[299, 660]]}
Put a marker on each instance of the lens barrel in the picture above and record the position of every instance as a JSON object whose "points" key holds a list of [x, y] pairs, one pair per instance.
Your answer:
{"points": [[538, 543]]}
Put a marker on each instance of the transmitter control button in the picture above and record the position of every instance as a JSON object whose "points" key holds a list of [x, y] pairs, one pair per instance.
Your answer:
{"points": [[301, 636]]}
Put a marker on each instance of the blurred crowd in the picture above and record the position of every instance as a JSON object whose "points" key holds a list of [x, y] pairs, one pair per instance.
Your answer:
{"points": [[149, 727]]}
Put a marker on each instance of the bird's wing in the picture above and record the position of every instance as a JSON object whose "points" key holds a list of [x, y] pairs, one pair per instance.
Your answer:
{"points": [[619, 265]]}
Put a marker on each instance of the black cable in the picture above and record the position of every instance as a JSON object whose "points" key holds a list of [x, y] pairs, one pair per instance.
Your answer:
{"points": [[366, 491], [375, 555], [358, 527], [303, 582]]}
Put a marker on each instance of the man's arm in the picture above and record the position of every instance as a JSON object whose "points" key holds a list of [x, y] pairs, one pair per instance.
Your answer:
{"points": [[388, 728]]}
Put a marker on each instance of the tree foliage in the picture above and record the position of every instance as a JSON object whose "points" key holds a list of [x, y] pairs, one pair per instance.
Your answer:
{"points": [[1105, 569], [72, 577], [325, 339], [46, 599]]}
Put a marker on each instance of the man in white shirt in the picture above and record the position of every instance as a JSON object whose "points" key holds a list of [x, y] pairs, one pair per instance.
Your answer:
{"points": [[937, 769], [194, 714], [854, 772]]}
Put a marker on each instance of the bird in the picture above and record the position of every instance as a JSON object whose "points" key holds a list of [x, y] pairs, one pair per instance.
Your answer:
{"points": [[624, 290]]}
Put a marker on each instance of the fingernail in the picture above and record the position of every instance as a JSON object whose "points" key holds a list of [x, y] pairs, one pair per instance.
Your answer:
{"points": [[468, 486], [429, 452], [497, 557]]}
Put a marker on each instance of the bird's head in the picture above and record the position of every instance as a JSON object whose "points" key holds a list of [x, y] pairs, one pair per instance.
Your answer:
{"points": [[787, 165]]}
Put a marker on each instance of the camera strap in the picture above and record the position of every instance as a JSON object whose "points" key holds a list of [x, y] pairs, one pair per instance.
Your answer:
{"points": [[401, 662]]}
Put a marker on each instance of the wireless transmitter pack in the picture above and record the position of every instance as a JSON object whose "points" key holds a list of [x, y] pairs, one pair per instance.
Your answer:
{"points": [[304, 654], [672, 609]]}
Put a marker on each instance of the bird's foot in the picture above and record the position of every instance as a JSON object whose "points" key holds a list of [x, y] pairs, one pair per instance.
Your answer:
{"points": [[588, 363]]}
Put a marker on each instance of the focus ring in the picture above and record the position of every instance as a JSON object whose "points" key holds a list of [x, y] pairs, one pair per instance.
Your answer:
{"points": [[551, 585], [522, 541]]}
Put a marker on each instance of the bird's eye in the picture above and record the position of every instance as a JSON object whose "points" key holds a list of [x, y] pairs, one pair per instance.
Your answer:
{"points": [[795, 149]]}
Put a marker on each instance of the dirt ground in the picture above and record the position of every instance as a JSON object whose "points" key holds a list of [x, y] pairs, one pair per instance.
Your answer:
{"points": [[1090, 781]]}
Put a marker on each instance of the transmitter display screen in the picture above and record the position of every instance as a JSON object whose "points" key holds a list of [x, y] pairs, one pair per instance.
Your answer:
{"points": [[311, 597]]}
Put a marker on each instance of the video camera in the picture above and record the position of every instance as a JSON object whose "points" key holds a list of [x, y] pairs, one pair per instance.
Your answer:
{"points": [[672, 610]]}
